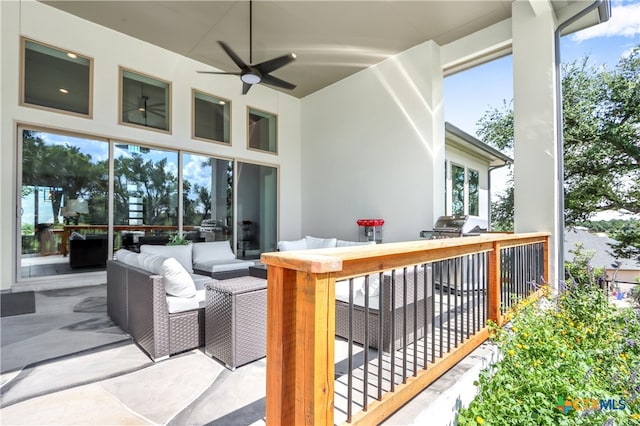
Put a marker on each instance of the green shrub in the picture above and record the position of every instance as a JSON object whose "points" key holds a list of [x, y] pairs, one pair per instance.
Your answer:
{"points": [[578, 349]]}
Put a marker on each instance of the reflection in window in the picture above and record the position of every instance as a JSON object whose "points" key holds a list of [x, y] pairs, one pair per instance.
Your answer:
{"points": [[257, 209], [457, 189], [208, 198], [64, 195], [211, 117], [57, 79], [145, 101], [262, 131], [474, 192], [145, 187]]}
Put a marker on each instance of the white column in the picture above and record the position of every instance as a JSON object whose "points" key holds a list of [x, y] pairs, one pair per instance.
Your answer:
{"points": [[534, 82]]}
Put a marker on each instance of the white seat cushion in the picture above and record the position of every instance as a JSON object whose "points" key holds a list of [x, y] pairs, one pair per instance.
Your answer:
{"points": [[182, 254], [177, 281], [127, 257], [211, 266], [182, 304], [214, 250]]}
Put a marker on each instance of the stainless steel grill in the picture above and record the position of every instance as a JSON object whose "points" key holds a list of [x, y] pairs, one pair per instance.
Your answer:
{"points": [[455, 226]]}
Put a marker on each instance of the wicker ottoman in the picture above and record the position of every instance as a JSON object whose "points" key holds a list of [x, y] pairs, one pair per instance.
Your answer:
{"points": [[236, 320]]}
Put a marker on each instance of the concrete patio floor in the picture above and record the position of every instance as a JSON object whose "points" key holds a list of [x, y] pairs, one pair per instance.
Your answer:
{"points": [[68, 364]]}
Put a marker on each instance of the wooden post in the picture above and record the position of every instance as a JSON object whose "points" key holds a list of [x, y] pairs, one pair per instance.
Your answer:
{"points": [[300, 346], [495, 275]]}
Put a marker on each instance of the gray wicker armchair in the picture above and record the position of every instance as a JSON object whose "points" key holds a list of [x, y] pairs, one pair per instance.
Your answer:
{"points": [[389, 312]]}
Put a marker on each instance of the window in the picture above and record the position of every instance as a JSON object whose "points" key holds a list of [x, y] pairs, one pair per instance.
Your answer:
{"points": [[145, 101], [56, 79], [145, 187], [211, 118], [262, 131], [257, 209], [207, 197], [464, 191]]}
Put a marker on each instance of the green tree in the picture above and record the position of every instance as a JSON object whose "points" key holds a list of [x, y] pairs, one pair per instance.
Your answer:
{"points": [[601, 112]]}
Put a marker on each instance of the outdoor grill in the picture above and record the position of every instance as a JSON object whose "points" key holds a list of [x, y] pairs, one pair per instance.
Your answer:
{"points": [[455, 226]]}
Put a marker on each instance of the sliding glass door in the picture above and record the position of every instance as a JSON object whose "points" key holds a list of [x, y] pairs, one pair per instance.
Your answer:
{"points": [[63, 203]]}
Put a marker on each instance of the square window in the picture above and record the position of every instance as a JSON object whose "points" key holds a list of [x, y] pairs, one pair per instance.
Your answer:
{"points": [[262, 130], [145, 101], [56, 79], [211, 118]]}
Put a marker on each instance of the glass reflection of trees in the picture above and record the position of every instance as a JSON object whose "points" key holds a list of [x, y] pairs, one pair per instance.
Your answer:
{"points": [[67, 172], [145, 186]]}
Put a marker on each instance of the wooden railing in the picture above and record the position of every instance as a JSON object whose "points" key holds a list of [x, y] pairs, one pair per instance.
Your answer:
{"points": [[301, 319]]}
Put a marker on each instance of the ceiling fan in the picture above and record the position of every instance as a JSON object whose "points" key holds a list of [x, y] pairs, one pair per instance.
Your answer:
{"points": [[251, 74]]}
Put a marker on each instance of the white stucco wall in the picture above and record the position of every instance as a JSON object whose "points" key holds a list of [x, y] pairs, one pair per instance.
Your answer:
{"points": [[111, 50], [369, 146]]}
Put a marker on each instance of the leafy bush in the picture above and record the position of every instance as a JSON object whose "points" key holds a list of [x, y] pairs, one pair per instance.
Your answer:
{"points": [[578, 349], [177, 240]]}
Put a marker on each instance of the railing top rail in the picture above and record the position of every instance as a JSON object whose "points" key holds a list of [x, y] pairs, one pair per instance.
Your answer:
{"points": [[363, 259]]}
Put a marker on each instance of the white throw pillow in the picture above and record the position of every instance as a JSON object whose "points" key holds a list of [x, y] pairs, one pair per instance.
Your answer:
{"points": [[177, 281], [316, 243], [214, 250], [182, 254], [292, 245], [150, 262]]}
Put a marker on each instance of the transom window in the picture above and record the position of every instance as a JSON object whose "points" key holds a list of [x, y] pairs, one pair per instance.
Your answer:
{"points": [[262, 130], [211, 118], [56, 79], [145, 101]]}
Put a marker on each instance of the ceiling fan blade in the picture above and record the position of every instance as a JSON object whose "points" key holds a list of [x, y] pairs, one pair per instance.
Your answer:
{"points": [[234, 57], [219, 72], [274, 81], [273, 64], [246, 87]]}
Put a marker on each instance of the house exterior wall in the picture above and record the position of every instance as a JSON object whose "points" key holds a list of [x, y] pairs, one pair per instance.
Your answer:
{"points": [[110, 49], [373, 147]]}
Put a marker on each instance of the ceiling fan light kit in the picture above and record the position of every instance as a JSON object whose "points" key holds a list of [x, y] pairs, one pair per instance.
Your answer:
{"points": [[259, 73]]}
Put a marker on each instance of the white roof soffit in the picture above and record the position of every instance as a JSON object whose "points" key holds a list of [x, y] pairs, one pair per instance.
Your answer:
{"points": [[331, 39], [464, 141]]}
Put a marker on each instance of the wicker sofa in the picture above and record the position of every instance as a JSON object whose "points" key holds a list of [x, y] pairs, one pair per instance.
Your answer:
{"points": [[138, 303], [381, 295], [375, 299], [156, 297]]}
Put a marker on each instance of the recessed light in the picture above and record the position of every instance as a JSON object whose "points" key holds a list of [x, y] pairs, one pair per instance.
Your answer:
{"points": [[221, 102], [72, 55], [63, 90]]}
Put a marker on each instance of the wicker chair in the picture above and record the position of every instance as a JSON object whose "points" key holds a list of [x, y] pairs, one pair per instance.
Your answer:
{"points": [[388, 312]]}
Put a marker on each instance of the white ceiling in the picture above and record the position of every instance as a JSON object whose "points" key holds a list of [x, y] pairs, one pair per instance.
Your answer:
{"points": [[331, 39]]}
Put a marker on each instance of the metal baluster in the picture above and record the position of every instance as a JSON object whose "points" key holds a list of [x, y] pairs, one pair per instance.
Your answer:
{"points": [[449, 305], [350, 356], [404, 325], [380, 332], [392, 332], [415, 320], [433, 312], [365, 374]]}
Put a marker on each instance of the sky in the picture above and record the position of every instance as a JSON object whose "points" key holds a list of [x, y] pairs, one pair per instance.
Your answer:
{"points": [[466, 101]]}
